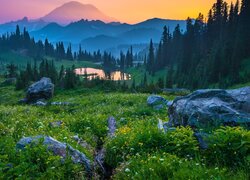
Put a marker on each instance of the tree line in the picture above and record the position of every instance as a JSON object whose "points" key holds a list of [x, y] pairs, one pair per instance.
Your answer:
{"points": [[21, 41], [65, 78], [212, 52]]}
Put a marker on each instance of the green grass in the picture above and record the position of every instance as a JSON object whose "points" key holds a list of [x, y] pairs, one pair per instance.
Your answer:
{"points": [[87, 117], [12, 57], [138, 149], [138, 75]]}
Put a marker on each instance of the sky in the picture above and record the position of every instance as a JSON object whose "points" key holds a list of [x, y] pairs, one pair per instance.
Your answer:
{"points": [[129, 11]]}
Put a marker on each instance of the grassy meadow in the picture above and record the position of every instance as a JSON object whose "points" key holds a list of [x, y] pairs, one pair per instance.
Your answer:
{"points": [[139, 149]]}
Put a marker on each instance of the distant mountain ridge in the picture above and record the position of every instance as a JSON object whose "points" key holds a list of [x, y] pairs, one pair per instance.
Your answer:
{"points": [[25, 22], [91, 33]]}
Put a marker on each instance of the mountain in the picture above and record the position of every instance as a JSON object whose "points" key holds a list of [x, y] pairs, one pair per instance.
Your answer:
{"points": [[31, 25], [101, 42], [97, 34], [74, 11], [141, 35], [157, 23], [84, 29]]}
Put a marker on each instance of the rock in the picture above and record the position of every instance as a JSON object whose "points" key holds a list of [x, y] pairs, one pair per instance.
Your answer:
{"points": [[58, 148], [201, 138], [162, 126], [76, 138], [217, 107], [60, 103], [100, 153], [111, 126], [157, 102], [43, 89], [56, 124], [40, 103]]}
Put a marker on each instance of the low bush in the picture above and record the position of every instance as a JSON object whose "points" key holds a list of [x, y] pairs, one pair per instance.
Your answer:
{"points": [[143, 137], [36, 162], [229, 146]]}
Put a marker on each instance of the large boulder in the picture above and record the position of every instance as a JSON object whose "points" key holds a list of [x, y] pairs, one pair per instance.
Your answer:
{"points": [[157, 102], [205, 108], [58, 148], [43, 89]]}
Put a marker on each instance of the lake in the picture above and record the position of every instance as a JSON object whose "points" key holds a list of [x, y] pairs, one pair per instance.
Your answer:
{"points": [[94, 73]]}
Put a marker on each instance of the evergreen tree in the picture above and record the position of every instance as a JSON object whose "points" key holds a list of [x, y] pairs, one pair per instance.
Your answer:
{"points": [[122, 61], [11, 70], [145, 80], [36, 74], [160, 83], [69, 53], [151, 58]]}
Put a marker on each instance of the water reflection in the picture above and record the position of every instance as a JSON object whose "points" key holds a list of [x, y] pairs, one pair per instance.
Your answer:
{"points": [[92, 73]]}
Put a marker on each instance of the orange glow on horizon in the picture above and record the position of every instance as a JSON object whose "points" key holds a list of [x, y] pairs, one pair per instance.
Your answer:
{"points": [[129, 11]]}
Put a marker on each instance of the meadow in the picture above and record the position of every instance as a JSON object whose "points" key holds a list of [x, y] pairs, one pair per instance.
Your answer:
{"points": [[138, 150]]}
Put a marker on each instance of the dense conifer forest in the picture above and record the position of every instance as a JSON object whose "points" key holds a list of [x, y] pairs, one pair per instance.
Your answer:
{"points": [[211, 51]]}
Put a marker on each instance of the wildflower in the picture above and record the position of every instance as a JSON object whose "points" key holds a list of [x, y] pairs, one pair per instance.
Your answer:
{"points": [[140, 143], [127, 170]]}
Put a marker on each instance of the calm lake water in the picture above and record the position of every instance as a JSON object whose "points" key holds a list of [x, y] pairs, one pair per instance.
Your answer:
{"points": [[94, 73]]}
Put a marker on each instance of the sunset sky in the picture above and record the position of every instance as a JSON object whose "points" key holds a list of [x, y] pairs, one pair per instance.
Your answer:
{"points": [[130, 11]]}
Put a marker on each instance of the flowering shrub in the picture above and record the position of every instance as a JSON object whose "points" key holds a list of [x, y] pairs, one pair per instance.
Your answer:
{"points": [[143, 137], [229, 146]]}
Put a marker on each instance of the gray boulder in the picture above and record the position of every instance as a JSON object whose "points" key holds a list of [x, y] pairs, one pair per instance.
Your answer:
{"points": [[157, 102], [211, 108], [56, 124], [43, 89], [40, 103], [201, 138], [58, 148]]}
